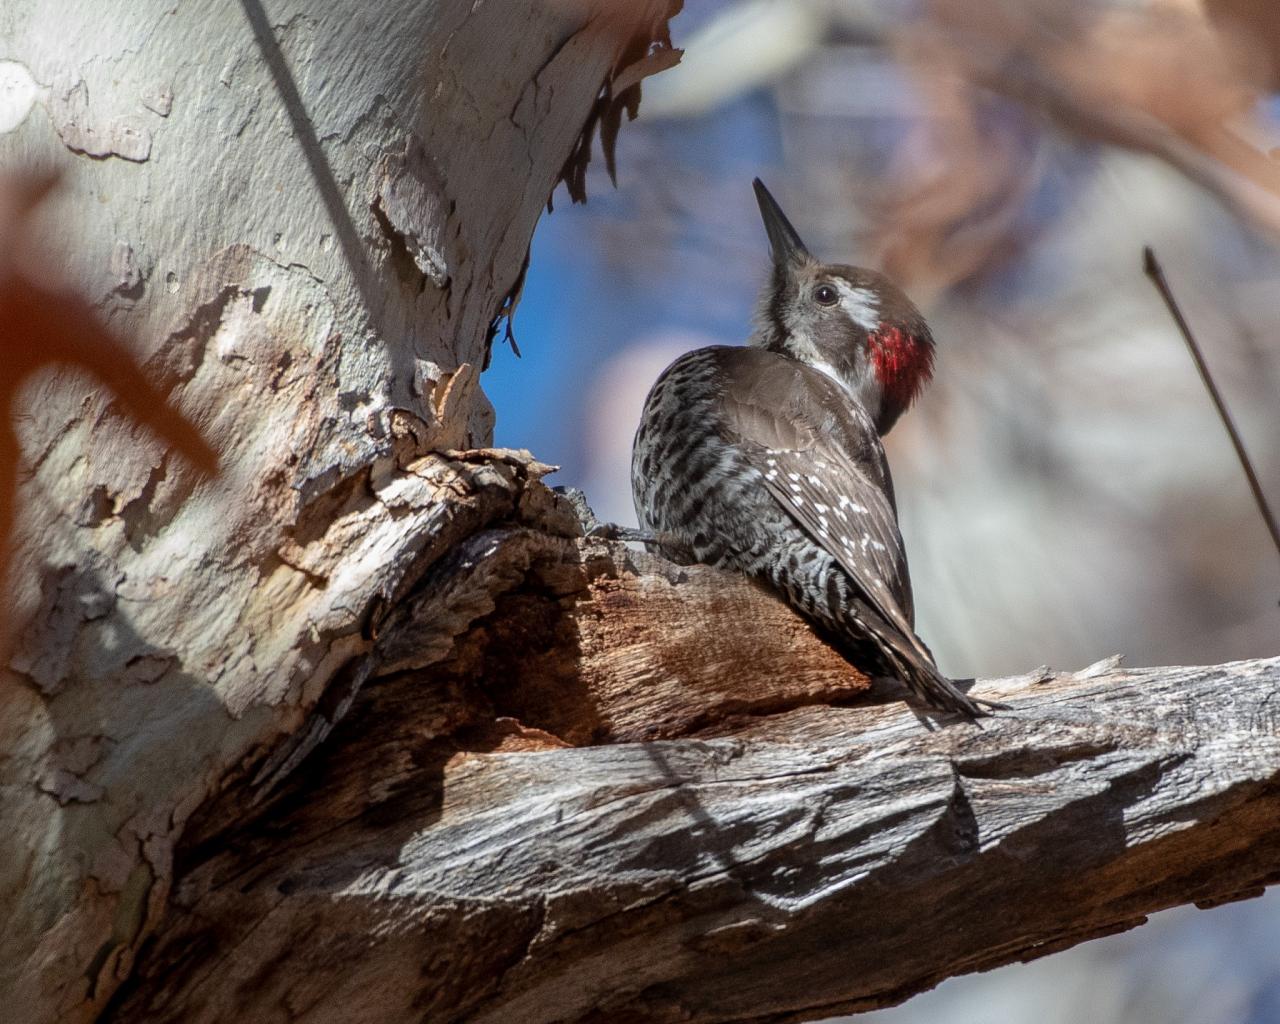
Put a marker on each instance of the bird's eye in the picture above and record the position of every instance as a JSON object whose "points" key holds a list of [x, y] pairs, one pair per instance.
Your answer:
{"points": [[825, 295]]}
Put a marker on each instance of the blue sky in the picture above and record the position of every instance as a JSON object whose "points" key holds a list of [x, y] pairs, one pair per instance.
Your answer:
{"points": [[578, 308]]}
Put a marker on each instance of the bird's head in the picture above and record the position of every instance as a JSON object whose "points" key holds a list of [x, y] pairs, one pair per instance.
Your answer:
{"points": [[850, 323]]}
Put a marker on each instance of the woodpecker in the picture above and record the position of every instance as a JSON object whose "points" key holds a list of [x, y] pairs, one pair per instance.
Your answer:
{"points": [[767, 460]]}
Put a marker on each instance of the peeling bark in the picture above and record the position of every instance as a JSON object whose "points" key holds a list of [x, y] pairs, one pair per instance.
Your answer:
{"points": [[545, 805], [302, 219], [365, 728]]}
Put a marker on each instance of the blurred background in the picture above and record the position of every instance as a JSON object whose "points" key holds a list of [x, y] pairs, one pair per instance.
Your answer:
{"points": [[1066, 491]]}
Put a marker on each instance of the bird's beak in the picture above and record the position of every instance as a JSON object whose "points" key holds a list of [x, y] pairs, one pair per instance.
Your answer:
{"points": [[788, 249]]}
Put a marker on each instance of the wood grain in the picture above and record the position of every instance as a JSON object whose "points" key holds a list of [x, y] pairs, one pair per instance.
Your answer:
{"points": [[489, 836]]}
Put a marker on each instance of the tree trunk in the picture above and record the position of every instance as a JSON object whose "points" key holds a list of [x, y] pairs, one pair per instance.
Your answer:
{"points": [[364, 728], [306, 220]]}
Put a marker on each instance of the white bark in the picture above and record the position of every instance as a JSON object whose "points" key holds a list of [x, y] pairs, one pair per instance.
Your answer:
{"points": [[303, 218]]}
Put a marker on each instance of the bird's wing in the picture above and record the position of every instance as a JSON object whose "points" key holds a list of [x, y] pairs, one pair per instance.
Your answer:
{"points": [[823, 463]]}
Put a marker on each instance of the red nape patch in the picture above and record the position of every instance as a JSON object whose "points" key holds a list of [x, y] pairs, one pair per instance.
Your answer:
{"points": [[902, 362]]}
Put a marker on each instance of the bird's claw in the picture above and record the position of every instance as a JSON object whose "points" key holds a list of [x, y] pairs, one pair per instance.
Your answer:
{"points": [[615, 531]]}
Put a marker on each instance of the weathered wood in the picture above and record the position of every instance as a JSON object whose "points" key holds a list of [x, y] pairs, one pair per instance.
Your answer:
{"points": [[304, 222], [471, 844], [363, 731]]}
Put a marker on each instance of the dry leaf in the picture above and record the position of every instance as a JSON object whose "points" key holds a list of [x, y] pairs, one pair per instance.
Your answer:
{"points": [[41, 325], [1160, 79]]}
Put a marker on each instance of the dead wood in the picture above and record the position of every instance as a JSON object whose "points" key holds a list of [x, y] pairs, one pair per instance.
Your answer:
{"points": [[617, 789]]}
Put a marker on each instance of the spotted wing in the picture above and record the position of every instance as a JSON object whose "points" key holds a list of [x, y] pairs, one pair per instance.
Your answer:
{"points": [[822, 461]]}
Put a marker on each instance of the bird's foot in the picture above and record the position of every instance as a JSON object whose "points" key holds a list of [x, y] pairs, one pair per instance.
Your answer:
{"points": [[596, 530], [616, 531]]}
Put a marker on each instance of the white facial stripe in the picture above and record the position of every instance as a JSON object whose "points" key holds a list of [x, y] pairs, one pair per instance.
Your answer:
{"points": [[830, 371], [803, 348], [862, 305]]}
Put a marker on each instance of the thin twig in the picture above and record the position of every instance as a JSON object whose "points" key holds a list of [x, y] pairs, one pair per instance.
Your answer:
{"points": [[1156, 273]]}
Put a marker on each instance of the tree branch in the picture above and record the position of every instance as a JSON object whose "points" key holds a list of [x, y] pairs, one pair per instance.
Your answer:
{"points": [[483, 839]]}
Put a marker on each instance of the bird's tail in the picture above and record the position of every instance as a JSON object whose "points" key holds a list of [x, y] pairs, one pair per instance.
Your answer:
{"points": [[912, 663]]}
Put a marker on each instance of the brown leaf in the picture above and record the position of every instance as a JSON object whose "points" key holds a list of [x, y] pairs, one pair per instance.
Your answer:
{"points": [[41, 325], [1160, 80]]}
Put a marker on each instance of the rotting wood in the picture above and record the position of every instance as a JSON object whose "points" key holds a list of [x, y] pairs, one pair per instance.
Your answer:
{"points": [[269, 751], [487, 837]]}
